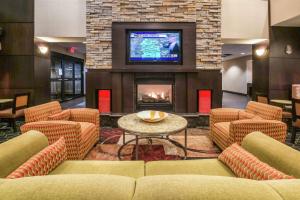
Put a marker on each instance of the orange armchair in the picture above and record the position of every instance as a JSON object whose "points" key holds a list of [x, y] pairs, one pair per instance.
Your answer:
{"points": [[81, 132], [229, 125]]}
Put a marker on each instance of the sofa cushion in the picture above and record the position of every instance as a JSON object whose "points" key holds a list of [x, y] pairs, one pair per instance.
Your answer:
{"points": [[43, 162], [69, 187], [221, 134], [19, 149], [188, 187], [133, 169], [273, 152], [63, 115], [245, 165], [200, 167], [287, 189]]}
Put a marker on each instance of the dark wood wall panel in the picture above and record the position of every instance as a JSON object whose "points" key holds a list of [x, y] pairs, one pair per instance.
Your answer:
{"points": [[128, 88], [117, 94], [42, 79], [210, 79], [16, 72], [260, 72], [17, 54], [180, 93], [96, 79], [17, 39], [16, 10]]}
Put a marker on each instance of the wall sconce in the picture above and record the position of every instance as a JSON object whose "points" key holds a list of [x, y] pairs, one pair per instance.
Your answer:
{"points": [[262, 51], [43, 49]]}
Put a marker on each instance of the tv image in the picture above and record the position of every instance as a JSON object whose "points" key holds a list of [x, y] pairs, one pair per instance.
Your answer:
{"points": [[153, 47]]}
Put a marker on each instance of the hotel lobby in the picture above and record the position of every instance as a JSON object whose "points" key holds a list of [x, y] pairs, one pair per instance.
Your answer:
{"points": [[148, 100]]}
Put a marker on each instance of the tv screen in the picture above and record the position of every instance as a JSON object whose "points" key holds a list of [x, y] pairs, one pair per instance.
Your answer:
{"points": [[153, 47]]}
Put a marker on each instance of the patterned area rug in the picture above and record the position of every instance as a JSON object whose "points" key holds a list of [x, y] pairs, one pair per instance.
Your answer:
{"points": [[111, 140]]}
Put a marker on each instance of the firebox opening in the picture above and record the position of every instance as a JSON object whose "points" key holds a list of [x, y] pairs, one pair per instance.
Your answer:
{"points": [[154, 96]]}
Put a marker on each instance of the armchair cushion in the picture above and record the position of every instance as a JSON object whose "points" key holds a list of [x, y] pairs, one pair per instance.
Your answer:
{"points": [[223, 115], [247, 115], [246, 165], [63, 115], [265, 111], [44, 162], [41, 112]]}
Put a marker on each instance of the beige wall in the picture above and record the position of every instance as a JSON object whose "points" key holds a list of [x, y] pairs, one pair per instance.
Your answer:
{"points": [[244, 19], [241, 19], [60, 18], [283, 10], [236, 74]]}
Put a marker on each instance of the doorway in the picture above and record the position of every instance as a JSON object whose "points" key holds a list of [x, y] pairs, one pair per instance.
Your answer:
{"points": [[66, 77]]}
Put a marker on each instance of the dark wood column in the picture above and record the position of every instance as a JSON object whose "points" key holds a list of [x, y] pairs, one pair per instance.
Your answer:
{"points": [[17, 54]]}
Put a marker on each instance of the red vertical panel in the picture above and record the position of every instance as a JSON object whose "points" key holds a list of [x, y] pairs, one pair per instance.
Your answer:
{"points": [[104, 101], [204, 101]]}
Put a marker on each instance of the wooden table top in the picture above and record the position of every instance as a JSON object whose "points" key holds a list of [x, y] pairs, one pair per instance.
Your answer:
{"points": [[6, 100], [281, 101]]}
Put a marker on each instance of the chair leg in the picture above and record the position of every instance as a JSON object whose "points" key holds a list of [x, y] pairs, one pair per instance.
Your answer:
{"points": [[293, 138], [13, 125]]}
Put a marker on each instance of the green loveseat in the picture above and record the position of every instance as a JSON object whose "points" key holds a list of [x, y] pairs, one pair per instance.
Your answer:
{"points": [[207, 179]]}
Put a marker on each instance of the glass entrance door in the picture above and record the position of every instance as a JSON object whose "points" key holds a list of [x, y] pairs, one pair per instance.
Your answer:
{"points": [[66, 77]]}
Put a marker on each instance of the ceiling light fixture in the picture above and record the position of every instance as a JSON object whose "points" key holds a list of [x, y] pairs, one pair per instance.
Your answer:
{"points": [[243, 53]]}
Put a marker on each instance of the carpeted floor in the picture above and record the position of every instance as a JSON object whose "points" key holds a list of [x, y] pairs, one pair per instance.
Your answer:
{"points": [[111, 140]]}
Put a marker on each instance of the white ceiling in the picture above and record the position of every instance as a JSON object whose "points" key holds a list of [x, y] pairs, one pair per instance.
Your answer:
{"points": [[293, 22], [236, 51]]}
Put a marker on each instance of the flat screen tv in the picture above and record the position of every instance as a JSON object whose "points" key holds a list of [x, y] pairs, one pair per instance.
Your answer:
{"points": [[154, 47]]}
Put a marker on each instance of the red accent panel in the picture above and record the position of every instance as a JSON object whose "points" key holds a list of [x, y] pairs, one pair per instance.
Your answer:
{"points": [[204, 101], [104, 101]]}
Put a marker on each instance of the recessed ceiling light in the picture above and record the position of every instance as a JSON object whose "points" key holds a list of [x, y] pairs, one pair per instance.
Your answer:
{"points": [[243, 53]]}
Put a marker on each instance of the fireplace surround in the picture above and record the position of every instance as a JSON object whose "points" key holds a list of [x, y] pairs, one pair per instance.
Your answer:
{"points": [[175, 88]]}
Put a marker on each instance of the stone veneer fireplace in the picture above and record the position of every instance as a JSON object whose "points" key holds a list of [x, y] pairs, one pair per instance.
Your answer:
{"points": [[106, 61]]}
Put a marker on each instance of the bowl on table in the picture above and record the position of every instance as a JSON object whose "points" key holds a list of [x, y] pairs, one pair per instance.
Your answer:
{"points": [[152, 116]]}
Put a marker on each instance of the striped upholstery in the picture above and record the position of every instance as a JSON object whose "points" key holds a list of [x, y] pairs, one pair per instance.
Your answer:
{"points": [[264, 110], [220, 131], [86, 115], [63, 115], [42, 112], [80, 133], [228, 125], [246, 165], [88, 137], [246, 115], [44, 162], [239, 129]]}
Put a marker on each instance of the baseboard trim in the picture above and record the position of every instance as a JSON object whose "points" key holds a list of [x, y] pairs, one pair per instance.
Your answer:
{"points": [[238, 93]]}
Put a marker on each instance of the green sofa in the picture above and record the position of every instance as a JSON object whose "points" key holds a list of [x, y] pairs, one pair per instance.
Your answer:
{"points": [[207, 179]]}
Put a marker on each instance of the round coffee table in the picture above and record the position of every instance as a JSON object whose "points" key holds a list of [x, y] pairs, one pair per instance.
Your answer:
{"points": [[132, 125]]}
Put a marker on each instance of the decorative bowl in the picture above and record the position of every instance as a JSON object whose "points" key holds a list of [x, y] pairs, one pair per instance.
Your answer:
{"points": [[152, 116]]}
